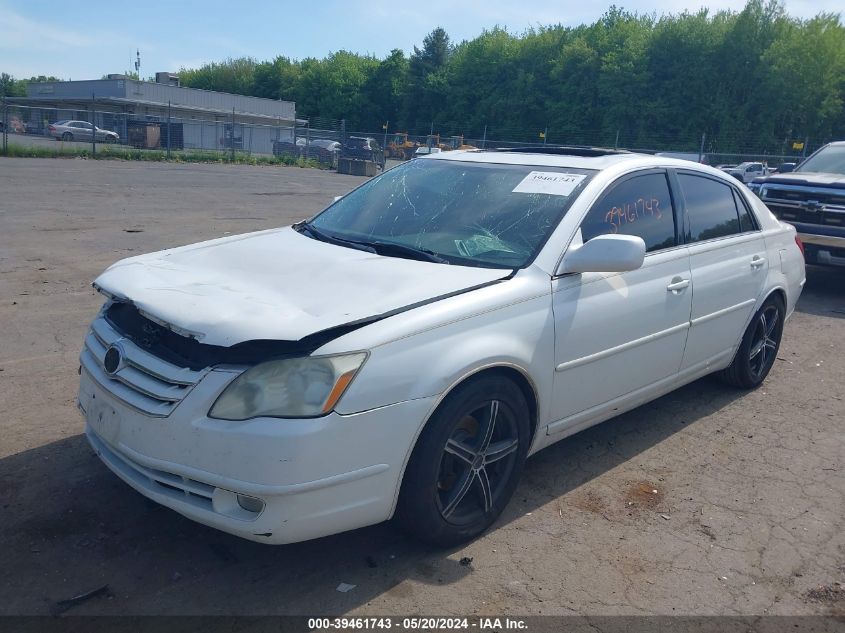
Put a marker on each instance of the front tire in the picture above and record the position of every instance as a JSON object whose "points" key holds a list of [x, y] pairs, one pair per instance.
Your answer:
{"points": [[759, 347], [67, 136], [467, 462]]}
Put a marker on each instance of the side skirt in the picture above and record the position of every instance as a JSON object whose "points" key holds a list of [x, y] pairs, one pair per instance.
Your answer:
{"points": [[561, 429]]}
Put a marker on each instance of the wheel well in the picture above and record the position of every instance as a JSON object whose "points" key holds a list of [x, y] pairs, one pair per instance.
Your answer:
{"points": [[521, 381], [780, 294]]}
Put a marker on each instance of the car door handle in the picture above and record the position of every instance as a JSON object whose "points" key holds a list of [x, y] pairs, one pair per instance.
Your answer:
{"points": [[757, 261], [677, 285]]}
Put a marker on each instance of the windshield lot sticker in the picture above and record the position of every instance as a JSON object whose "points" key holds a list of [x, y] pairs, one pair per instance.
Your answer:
{"points": [[549, 182]]}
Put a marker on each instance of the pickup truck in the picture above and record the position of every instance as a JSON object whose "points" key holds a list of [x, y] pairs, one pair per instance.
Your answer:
{"points": [[746, 172], [812, 198]]}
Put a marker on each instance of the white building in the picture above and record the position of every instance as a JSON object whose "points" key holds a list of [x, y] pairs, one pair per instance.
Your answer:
{"points": [[199, 118]]}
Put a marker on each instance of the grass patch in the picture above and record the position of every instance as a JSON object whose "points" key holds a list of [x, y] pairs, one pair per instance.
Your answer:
{"points": [[118, 152]]}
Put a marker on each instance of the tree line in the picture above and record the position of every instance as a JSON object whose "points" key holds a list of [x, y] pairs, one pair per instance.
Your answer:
{"points": [[753, 80], [757, 78]]}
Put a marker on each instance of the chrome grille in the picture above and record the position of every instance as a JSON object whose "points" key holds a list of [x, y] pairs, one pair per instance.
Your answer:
{"points": [[144, 381], [811, 205]]}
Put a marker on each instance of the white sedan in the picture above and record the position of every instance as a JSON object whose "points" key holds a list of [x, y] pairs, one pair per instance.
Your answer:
{"points": [[405, 350]]}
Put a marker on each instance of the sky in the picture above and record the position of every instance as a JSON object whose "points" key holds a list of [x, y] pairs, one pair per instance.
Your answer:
{"points": [[89, 40]]}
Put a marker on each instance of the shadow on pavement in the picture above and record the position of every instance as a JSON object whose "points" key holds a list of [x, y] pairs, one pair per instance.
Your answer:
{"points": [[824, 292], [70, 526]]}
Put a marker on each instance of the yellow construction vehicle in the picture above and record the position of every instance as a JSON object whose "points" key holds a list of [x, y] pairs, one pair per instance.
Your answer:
{"points": [[457, 142], [401, 147]]}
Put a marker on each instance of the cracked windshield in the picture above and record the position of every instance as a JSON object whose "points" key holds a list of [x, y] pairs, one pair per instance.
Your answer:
{"points": [[464, 213]]}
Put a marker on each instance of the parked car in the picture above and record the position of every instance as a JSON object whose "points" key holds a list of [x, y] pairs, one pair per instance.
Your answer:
{"points": [[695, 157], [363, 148], [746, 172], [326, 144], [81, 131], [405, 350], [323, 150], [425, 151], [811, 197]]}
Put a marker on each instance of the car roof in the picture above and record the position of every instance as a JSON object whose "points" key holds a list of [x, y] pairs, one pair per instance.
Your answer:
{"points": [[545, 158], [613, 163]]}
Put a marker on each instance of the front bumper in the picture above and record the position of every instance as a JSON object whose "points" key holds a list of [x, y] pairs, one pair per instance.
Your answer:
{"points": [[314, 477]]}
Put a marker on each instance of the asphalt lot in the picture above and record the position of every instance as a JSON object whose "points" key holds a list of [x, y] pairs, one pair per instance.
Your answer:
{"points": [[748, 517]]}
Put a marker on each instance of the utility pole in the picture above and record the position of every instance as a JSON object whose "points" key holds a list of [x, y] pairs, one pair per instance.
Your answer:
{"points": [[168, 130], [545, 134], [303, 153], [484, 139], [5, 127], [386, 123], [701, 148], [233, 135], [616, 143], [93, 128], [804, 149]]}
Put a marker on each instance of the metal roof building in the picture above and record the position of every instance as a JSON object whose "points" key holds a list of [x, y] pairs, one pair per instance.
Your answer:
{"points": [[142, 112], [146, 97]]}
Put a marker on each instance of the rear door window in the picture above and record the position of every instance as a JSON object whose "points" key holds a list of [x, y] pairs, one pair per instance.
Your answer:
{"points": [[745, 221], [638, 205], [711, 207]]}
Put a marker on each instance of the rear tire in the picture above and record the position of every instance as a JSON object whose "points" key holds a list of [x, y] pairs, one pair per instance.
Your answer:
{"points": [[759, 347], [467, 462]]}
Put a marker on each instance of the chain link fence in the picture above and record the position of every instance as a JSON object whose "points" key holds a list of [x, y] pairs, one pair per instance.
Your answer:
{"points": [[39, 131]]}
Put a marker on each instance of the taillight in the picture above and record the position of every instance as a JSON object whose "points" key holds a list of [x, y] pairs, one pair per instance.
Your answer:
{"points": [[51, 128], [799, 243]]}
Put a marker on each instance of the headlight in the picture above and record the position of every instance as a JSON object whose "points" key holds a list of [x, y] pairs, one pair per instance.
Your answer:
{"points": [[289, 388]]}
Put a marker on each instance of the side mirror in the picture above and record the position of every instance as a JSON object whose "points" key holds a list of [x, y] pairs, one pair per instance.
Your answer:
{"points": [[336, 198], [605, 254], [786, 168]]}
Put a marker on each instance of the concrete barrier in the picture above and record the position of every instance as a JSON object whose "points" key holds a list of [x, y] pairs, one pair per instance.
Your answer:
{"points": [[356, 167]]}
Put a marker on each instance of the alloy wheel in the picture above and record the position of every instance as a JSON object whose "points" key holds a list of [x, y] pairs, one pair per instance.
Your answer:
{"points": [[476, 463], [764, 343]]}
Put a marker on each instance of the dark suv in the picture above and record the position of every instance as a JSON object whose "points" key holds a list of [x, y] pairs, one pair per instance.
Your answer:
{"points": [[812, 198], [363, 148]]}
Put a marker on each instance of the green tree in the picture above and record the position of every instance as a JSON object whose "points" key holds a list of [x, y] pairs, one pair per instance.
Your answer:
{"points": [[332, 88], [428, 81], [10, 87], [748, 80], [278, 79], [233, 75], [383, 92], [805, 75]]}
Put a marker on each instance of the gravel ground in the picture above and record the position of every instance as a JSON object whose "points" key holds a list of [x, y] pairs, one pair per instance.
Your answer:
{"points": [[706, 501]]}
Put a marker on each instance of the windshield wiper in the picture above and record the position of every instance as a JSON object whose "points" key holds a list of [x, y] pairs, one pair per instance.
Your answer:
{"points": [[410, 252], [380, 248], [331, 239]]}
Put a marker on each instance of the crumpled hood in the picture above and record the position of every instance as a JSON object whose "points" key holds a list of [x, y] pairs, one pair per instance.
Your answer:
{"points": [[277, 285]]}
